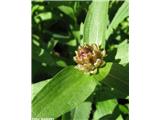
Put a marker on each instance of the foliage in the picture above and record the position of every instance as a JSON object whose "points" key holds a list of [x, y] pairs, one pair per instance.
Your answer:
{"points": [[59, 90]]}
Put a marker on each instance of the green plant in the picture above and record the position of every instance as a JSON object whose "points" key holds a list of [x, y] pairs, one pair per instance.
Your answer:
{"points": [[61, 91]]}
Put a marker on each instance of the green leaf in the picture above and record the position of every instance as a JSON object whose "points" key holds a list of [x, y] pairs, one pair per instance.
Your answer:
{"points": [[121, 14], [68, 11], [96, 23], [104, 108], [122, 53], [115, 85], [124, 109], [82, 112], [38, 86], [67, 116], [37, 8], [103, 72], [120, 117], [66, 90], [112, 116], [43, 16]]}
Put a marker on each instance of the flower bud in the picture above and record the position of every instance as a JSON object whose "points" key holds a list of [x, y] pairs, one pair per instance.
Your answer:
{"points": [[89, 58]]}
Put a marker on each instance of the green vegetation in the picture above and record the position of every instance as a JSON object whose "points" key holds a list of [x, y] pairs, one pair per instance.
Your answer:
{"points": [[61, 91]]}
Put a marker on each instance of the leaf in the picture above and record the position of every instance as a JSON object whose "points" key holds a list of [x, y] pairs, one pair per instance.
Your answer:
{"points": [[68, 11], [121, 14], [82, 112], [95, 23], [103, 72], [122, 53], [115, 85], [37, 8], [115, 114], [104, 108], [124, 109], [67, 116], [65, 91], [43, 16], [120, 117], [38, 86]]}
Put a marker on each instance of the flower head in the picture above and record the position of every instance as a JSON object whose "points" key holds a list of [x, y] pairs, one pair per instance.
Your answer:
{"points": [[89, 58]]}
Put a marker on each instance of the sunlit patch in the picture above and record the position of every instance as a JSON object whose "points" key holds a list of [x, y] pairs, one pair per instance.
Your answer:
{"points": [[44, 64], [112, 89], [41, 52]]}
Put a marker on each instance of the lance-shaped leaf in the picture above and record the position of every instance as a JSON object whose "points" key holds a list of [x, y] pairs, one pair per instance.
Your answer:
{"points": [[38, 86], [121, 14], [65, 91], [96, 23]]}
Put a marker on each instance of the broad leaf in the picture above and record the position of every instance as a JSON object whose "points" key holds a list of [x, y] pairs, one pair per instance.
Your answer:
{"points": [[96, 23], [38, 86], [121, 14], [65, 91], [102, 73]]}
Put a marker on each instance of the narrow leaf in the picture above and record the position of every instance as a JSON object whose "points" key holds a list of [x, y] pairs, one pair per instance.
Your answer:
{"points": [[68, 11], [103, 72], [121, 14], [96, 23]]}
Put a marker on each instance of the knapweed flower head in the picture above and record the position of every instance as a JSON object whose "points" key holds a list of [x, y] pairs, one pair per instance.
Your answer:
{"points": [[89, 58]]}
